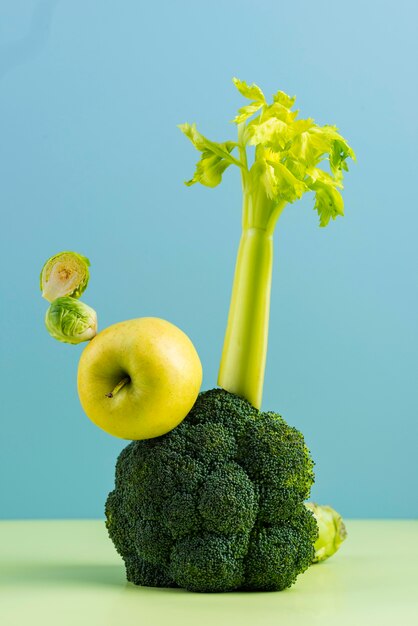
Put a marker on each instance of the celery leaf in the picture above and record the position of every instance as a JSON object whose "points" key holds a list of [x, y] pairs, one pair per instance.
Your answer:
{"points": [[216, 157], [209, 170], [328, 202], [272, 133], [245, 112], [201, 143], [252, 92], [282, 98]]}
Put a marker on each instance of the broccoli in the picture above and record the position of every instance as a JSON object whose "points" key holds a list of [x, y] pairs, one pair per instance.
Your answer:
{"points": [[217, 503]]}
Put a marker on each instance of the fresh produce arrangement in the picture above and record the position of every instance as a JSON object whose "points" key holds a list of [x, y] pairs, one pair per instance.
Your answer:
{"points": [[210, 495]]}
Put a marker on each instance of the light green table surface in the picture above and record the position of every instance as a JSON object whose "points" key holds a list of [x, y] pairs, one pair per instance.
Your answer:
{"points": [[67, 572]]}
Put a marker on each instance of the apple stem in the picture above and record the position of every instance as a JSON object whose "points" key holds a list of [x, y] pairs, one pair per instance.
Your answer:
{"points": [[118, 387]]}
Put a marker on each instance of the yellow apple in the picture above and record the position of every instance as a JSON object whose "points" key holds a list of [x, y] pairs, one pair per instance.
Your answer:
{"points": [[138, 379]]}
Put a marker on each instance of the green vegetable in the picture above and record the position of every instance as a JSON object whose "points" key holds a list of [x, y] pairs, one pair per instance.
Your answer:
{"points": [[64, 274], [287, 153], [217, 503], [332, 531], [70, 320]]}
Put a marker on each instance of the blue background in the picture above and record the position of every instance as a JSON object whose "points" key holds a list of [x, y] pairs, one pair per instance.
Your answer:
{"points": [[91, 160]]}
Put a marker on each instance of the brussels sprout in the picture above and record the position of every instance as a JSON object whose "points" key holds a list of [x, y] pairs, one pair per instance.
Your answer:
{"points": [[64, 274], [70, 320], [332, 530]]}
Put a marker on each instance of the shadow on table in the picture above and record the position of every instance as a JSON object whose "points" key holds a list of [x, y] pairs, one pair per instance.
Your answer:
{"points": [[63, 573]]}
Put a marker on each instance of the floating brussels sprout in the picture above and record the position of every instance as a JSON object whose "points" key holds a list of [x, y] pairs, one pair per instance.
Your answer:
{"points": [[64, 274], [70, 320], [332, 530]]}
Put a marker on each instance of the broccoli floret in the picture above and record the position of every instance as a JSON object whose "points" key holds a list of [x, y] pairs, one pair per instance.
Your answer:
{"points": [[228, 501], [217, 503], [209, 562]]}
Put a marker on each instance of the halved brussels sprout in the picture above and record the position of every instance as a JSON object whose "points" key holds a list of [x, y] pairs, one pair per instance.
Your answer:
{"points": [[70, 320], [64, 274]]}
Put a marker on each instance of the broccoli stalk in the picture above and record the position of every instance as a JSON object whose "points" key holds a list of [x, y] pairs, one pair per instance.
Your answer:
{"points": [[287, 152]]}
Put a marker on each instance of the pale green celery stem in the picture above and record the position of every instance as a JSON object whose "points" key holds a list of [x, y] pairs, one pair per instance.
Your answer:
{"points": [[244, 170], [245, 346]]}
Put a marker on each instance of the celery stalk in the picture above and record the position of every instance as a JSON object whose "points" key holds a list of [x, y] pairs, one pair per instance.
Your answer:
{"points": [[245, 346], [287, 153]]}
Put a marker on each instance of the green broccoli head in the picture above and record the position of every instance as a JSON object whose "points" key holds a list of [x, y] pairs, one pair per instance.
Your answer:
{"points": [[217, 503]]}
